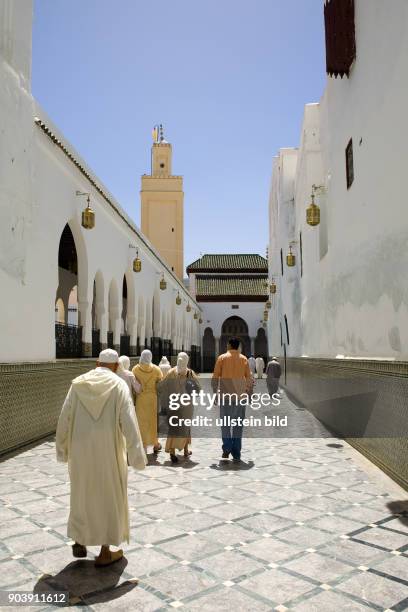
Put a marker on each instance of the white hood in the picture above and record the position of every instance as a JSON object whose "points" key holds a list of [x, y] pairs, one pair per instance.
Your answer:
{"points": [[94, 388]]}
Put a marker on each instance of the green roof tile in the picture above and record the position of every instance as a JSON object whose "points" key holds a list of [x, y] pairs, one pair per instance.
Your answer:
{"points": [[229, 262], [232, 286]]}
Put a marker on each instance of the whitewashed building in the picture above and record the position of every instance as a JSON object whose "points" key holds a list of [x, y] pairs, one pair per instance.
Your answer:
{"points": [[76, 273], [340, 310], [45, 250], [232, 291]]}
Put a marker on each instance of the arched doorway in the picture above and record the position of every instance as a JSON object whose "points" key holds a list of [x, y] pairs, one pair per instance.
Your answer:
{"points": [[208, 350], [261, 344], [235, 327], [113, 315], [124, 335], [68, 334]]}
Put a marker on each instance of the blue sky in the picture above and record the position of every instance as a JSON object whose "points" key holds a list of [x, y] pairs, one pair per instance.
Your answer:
{"points": [[227, 78]]}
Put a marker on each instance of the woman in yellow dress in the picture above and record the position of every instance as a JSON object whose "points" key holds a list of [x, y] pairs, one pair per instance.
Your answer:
{"points": [[180, 379], [148, 375]]}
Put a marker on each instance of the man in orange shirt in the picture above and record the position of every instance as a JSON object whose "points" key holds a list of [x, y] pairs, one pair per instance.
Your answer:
{"points": [[232, 377]]}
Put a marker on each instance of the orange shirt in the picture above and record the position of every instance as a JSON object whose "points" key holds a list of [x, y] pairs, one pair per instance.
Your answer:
{"points": [[232, 365]]}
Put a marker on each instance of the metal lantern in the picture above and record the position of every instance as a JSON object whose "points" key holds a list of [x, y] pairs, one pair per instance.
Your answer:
{"points": [[163, 284], [137, 264], [268, 304], [88, 217], [178, 299], [200, 320], [290, 258], [188, 307], [313, 213], [195, 315], [273, 287], [265, 317]]}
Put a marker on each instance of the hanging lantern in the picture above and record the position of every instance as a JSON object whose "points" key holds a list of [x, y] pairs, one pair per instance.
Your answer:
{"points": [[268, 304], [265, 317], [195, 315], [188, 307], [200, 320], [273, 286], [290, 258], [137, 264], [178, 299], [88, 217], [313, 213], [163, 284]]}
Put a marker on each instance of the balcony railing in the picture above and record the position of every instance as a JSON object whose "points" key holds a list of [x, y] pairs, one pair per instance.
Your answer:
{"points": [[68, 341]]}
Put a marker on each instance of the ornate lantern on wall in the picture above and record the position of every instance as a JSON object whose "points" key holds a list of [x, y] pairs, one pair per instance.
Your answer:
{"points": [[313, 212], [188, 307], [290, 258], [200, 320], [265, 315], [137, 264], [163, 284], [273, 287], [178, 299], [88, 215], [195, 315], [268, 304]]}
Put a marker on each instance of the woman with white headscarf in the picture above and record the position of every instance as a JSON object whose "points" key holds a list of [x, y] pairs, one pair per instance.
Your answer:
{"points": [[148, 375], [180, 379], [124, 372], [164, 366]]}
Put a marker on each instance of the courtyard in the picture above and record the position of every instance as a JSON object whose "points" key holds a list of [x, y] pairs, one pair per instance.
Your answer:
{"points": [[303, 523]]}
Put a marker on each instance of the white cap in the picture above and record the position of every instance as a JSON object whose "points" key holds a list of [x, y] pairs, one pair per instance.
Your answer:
{"points": [[108, 356]]}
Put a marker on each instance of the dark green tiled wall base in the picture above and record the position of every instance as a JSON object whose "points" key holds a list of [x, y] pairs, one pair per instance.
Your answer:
{"points": [[31, 397], [365, 402]]}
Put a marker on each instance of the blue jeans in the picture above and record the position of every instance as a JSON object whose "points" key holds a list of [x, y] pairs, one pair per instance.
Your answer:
{"points": [[232, 435]]}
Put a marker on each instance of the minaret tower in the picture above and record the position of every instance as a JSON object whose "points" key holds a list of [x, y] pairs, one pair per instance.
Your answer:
{"points": [[162, 205]]}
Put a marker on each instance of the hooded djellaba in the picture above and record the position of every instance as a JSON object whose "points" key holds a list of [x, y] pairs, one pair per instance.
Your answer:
{"points": [[97, 434], [180, 380], [148, 375]]}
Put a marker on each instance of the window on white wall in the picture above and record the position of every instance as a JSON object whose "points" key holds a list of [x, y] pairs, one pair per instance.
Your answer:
{"points": [[349, 164]]}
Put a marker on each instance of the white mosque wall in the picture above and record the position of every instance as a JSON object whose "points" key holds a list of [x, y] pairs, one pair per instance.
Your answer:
{"points": [[352, 299], [215, 313], [38, 185]]}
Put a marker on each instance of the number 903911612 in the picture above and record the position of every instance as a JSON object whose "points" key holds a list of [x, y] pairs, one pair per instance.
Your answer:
{"points": [[22, 598]]}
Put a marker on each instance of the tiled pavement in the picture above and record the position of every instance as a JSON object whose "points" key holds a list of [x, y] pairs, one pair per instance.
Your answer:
{"points": [[302, 525]]}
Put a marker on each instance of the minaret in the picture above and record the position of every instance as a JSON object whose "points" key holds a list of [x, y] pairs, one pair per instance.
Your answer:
{"points": [[162, 205]]}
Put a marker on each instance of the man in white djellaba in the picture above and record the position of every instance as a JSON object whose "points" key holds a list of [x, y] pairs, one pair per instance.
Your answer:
{"points": [[97, 427]]}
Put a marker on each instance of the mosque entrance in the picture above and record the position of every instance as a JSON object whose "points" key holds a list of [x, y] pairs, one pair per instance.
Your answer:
{"points": [[208, 350], [235, 327], [261, 344]]}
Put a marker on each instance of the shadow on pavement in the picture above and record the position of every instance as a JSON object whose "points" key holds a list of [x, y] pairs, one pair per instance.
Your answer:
{"points": [[227, 465], [400, 507], [87, 584]]}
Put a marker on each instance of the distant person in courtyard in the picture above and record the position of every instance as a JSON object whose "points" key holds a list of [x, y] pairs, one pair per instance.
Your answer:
{"points": [[252, 364], [124, 372], [180, 380], [148, 375], [260, 366], [273, 374], [232, 376], [164, 366], [96, 428]]}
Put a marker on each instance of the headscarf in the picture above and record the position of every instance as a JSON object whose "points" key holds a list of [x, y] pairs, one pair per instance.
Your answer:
{"points": [[146, 357], [182, 363], [124, 363], [164, 361]]}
